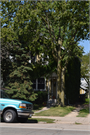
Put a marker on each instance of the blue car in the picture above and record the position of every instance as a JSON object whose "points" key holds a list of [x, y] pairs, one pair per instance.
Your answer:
{"points": [[12, 109]]}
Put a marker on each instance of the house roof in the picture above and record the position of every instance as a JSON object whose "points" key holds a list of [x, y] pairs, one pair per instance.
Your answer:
{"points": [[84, 84]]}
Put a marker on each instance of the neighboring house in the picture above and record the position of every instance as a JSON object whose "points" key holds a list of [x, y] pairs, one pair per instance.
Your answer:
{"points": [[82, 91], [84, 84], [84, 88]]}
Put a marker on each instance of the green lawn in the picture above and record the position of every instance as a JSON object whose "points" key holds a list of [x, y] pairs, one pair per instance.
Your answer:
{"points": [[56, 111], [41, 120], [83, 112], [87, 101]]}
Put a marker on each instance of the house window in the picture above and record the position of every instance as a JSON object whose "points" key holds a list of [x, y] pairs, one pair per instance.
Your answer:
{"points": [[39, 84]]}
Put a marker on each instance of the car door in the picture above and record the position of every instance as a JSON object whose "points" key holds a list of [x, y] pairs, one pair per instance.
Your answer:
{"points": [[0, 105], [2, 100]]}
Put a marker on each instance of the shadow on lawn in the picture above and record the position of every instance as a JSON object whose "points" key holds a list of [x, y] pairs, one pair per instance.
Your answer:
{"points": [[32, 121]]}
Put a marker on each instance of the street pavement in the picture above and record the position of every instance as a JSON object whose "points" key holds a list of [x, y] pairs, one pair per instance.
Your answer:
{"points": [[68, 125], [30, 131], [69, 122], [51, 126]]}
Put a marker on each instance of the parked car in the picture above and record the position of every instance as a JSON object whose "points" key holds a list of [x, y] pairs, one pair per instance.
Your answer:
{"points": [[12, 109]]}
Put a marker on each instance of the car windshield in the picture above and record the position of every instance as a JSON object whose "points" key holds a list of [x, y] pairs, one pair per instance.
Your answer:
{"points": [[3, 94]]}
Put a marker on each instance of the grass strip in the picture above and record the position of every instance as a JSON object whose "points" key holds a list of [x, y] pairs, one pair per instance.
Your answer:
{"points": [[83, 112], [87, 100], [46, 120], [77, 123]]}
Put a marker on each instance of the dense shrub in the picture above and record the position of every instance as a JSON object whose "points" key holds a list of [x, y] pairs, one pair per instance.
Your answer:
{"points": [[72, 86], [41, 98]]}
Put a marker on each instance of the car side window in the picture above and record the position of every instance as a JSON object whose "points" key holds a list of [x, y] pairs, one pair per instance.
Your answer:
{"points": [[4, 95]]}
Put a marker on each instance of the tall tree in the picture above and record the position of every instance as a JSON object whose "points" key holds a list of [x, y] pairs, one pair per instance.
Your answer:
{"points": [[15, 52], [63, 24], [19, 82]]}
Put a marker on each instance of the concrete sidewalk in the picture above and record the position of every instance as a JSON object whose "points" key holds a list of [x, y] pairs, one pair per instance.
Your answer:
{"points": [[71, 118], [43, 109], [68, 119]]}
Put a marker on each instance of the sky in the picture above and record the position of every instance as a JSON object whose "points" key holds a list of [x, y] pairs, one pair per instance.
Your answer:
{"points": [[86, 45]]}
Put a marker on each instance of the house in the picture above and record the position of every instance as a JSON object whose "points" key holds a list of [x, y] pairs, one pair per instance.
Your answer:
{"points": [[83, 90], [45, 83], [49, 83]]}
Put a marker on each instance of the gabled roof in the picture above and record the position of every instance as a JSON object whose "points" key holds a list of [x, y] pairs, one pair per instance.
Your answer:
{"points": [[84, 84]]}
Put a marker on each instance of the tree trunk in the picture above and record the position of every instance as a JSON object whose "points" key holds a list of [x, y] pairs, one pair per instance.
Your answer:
{"points": [[61, 77], [59, 82], [62, 86]]}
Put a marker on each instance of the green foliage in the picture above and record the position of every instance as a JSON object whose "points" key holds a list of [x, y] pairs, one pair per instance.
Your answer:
{"points": [[42, 70], [87, 100], [85, 67], [18, 82], [72, 86], [37, 106], [42, 98], [64, 22], [15, 32]]}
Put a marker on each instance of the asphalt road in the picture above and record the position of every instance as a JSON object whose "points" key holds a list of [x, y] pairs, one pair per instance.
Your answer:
{"points": [[30, 131], [35, 128]]}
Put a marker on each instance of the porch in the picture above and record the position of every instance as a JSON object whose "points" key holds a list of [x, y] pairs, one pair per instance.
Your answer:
{"points": [[52, 89]]}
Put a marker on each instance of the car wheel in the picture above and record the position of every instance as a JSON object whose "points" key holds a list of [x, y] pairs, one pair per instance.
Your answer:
{"points": [[9, 116], [22, 120]]}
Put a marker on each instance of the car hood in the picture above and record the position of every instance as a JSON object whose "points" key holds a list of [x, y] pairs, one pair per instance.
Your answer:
{"points": [[16, 100]]}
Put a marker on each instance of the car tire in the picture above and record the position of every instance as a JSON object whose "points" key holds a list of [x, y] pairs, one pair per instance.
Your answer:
{"points": [[22, 120], [9, 116]]}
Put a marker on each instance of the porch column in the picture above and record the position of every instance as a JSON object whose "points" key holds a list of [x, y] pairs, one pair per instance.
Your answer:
{"points": [[48, 89], [52, 88], [56, 90]]}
